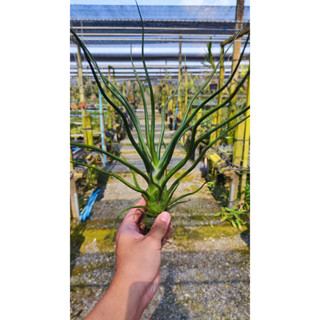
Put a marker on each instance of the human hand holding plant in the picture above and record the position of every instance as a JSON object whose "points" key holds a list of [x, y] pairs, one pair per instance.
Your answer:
{"points": [[138, 259]]}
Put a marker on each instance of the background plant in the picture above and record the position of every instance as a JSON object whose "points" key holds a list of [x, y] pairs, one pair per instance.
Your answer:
{"points": [[238, 215], [233, 215]]}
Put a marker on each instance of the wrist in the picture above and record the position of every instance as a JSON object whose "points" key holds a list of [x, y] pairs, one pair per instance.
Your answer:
{"points": [[126, 294]]}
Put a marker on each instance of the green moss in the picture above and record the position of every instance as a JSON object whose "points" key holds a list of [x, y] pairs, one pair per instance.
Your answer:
{"points": [[88, 268], [101, 223], [201, 218], [97, 240], [78, 270], [203, 232]]}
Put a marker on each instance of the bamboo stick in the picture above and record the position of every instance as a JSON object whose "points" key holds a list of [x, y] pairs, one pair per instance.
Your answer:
{"points": [[71, 159], [81, 95], [191, 87], [238, 132], [220, 95], [87, 129], [186, 84], [179, 79], [113, 113], [169, 92], [213, 136], [235, 59], [80, 75], [246, 145], [237, 157], [74, 204], [124, 93], [129, 91]]}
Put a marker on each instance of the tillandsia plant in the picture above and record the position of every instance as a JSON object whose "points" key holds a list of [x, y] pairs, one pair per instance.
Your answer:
{"points": [[155, 155]]}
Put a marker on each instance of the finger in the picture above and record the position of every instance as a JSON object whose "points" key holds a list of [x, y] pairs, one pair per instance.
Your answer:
{"points": [[169, 232], [160, 226], [167, 236], [134, 215]]}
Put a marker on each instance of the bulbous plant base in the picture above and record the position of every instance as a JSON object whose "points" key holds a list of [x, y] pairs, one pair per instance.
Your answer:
{"points": [[146, 224]]}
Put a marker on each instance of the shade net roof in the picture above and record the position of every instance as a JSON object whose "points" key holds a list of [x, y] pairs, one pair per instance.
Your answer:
{"points": [[154, 13], [109, 31]]}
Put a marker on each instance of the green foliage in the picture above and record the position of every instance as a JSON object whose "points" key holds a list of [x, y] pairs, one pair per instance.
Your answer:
{"points": [[246, 202], [158, 195], [238, 215], [233, 215]]}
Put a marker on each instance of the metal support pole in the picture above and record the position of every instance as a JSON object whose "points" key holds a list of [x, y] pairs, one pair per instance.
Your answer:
{"points": [[104, 157]]}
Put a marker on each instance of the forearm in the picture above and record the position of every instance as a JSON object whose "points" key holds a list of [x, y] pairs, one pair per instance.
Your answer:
{"points": [[138, 260], [122, 301]]}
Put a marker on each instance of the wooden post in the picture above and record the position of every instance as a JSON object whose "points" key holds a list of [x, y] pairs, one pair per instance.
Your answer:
{"points": [[179, 114], [214, 116], [124, 88], [246, 144], [74, 198], [169, 92], [191, 86], [71, 159], [238, 132], [237, 157], [241, 153], [129, 96], [221, 78], [235, 59], [198, 133], [81, 94], [185, 89], [80, 75]]}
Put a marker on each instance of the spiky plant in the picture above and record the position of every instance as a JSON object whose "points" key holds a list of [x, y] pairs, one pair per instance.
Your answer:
{"points": [[158, 195]]}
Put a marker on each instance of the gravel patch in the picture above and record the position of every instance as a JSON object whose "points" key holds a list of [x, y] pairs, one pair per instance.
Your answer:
{"points": [[207, 284]]}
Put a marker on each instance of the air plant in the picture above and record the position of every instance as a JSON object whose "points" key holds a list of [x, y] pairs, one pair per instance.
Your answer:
{"points": [[155, 155]]}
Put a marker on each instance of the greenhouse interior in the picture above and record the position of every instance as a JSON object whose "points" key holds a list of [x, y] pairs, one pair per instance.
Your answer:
{"points": [[160, 110]]}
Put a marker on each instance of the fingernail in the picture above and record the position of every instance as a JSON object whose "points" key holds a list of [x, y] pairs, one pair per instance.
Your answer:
{"points": [[165, 216]]}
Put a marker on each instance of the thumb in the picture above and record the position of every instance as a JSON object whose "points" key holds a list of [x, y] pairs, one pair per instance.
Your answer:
{"points": [[160, 226]]}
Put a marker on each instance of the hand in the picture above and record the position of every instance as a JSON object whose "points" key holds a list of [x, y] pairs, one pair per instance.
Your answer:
{"points": [[138, 260]]}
